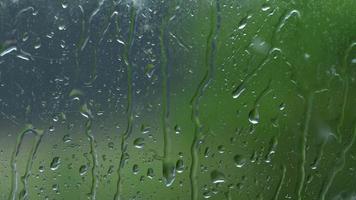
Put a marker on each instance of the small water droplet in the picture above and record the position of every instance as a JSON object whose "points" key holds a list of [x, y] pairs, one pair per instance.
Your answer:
{"points": [[238, 91], [207, 194], [180, 166], [150, 173], [37, 43], [177, 129], [120, 41], [282, 106], [217, 177], [239, 161], [41, 168], [85, 111], [56, 161], [62, 27], [149, 70], [55, 187], [265, 7], [83, 170], [145, 129], [221, 149], [64, 5], [139, 143], [111, 145], [243, 23], [135, 169], [67, 138], [51, 128]]}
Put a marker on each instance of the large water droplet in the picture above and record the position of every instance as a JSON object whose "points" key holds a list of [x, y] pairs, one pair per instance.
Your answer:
{"points": [[169, 173], [254, 116]]}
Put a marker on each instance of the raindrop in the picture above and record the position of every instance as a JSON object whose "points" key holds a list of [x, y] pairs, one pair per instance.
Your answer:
{"points": [[207, 194], [177, 129], [217, 177], [56, 161], [135, 169], [145, 129], [243, 23], [85, 111], [41, 168], [62, 27], [221, 149], [83, 170], [238, 91], [169, 173], [150, 68], [139, 143], [150, 173], [37, 43], [265, 7], [254, 116], [67, 138], [239, 161], [180, 166], [64, 5], [55, 187], [282, 106]]}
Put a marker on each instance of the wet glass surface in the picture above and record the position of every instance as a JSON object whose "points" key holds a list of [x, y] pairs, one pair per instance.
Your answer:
{"points": [[177, 99]]}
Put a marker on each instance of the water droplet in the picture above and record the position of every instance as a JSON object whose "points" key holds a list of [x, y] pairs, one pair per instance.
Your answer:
{"points": [[238, 91], [85, 111], [41, 168], [207, 194], [254, 116], [221, 149], [67, 138], [139, 143], [265, 7], [217, 177], [55, 187], [207, 152], [51, 128], [177, 129], [243, 23], [169, 173], [180, 166], [282, 106], [83, 170], [145, 129], [239, 161], [149, 70], [120, 41], [135, 169], [150, 173], [353, 61], [75, 93], [111, 145], [62, 27], [64, 5], [37, 43], [56, 161]]}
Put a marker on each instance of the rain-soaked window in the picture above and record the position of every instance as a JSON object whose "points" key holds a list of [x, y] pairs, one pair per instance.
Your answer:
{"points": [[177, 99]]}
